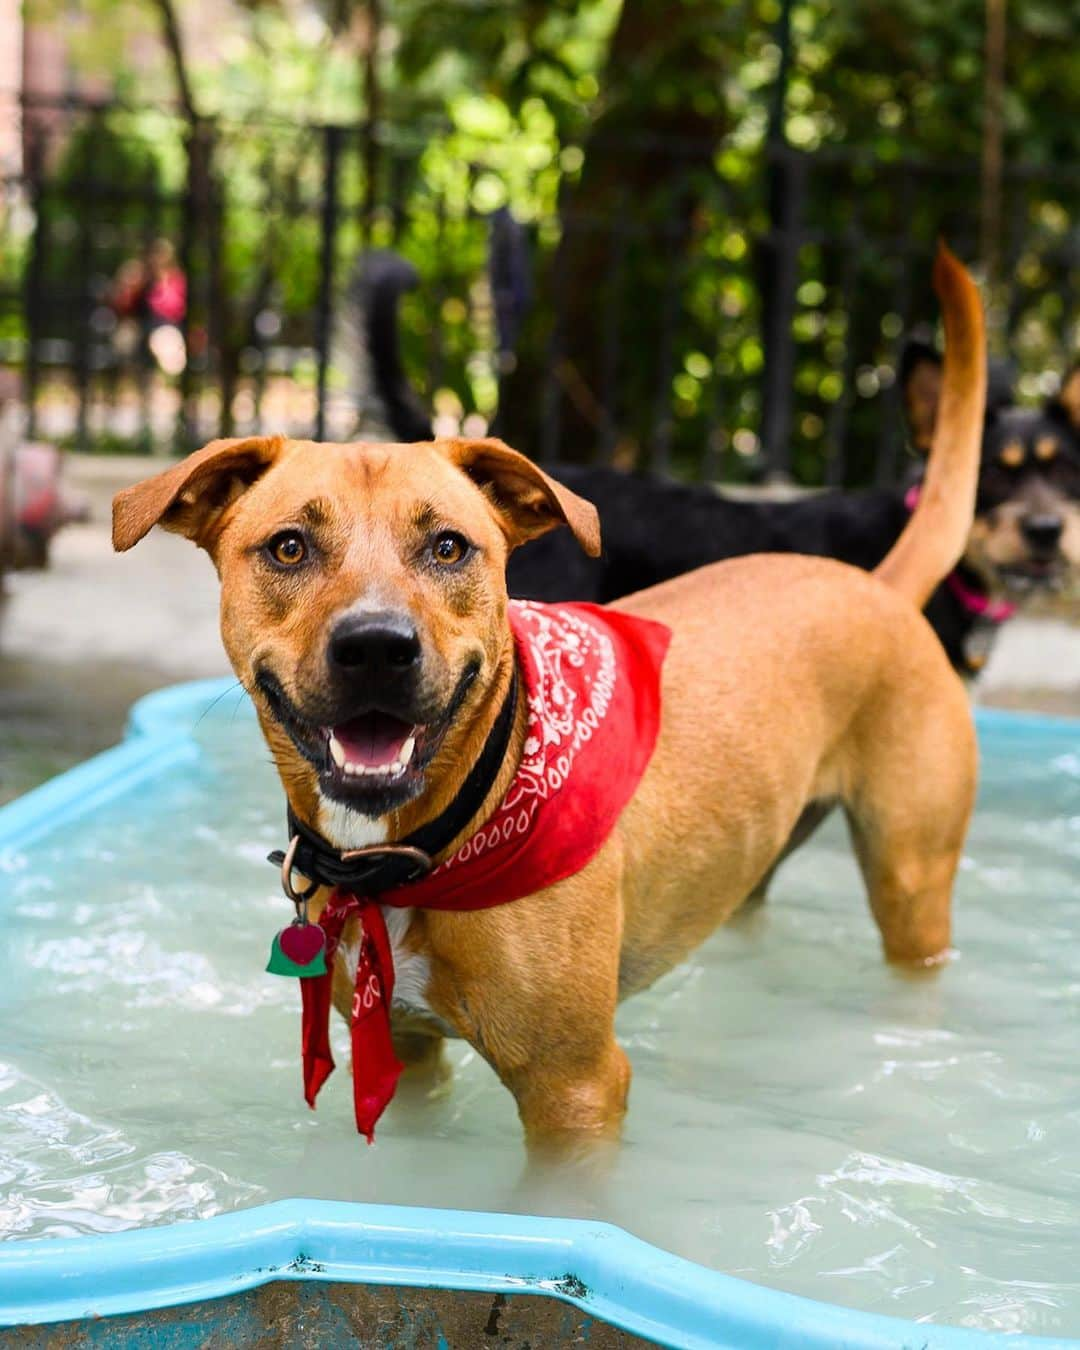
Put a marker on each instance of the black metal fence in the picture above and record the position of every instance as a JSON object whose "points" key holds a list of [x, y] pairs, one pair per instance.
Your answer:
{"points": [[760, 334]]}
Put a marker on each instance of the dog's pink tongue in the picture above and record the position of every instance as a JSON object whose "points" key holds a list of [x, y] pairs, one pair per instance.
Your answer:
{"points": [[372, 740]]}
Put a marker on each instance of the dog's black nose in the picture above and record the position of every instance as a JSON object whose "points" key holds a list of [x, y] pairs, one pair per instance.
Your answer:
{"points": [[1043, 533], [382, 644]]}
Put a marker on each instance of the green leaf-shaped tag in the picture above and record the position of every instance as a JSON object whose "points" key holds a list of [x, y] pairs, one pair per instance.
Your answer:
{"points": [[279, 963]]}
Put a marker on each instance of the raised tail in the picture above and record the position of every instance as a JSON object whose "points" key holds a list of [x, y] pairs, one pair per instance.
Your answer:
{"points": [[934, 538], [367, 347], [367, 341]]}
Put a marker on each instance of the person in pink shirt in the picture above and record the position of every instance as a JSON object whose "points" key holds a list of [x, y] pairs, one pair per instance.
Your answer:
{"points": [[153, 293]]}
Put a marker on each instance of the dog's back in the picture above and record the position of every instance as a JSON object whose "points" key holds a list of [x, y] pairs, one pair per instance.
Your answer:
{"points": [[788, 686], [656, 529]]}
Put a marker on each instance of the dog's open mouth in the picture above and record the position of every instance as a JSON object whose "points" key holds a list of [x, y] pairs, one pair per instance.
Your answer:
{"points": [[374, 745], [1033, 574], [374, 760]]}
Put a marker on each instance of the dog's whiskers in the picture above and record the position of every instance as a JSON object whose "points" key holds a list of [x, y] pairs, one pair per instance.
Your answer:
{"points": [[215, 701]]}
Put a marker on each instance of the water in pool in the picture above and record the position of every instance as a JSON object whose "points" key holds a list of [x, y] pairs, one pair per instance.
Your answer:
{"points": [[801, 1115]]}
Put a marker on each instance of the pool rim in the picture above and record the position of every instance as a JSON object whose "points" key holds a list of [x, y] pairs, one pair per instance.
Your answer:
{"points": [[627, 1282]]}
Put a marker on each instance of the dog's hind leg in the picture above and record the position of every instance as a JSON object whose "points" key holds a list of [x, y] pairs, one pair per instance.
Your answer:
{"points": [[908, 821], [910, 886], [814, 813], [426, 1071], [421, 1052]]}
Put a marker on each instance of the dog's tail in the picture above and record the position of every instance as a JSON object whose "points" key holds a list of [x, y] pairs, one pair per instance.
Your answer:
{"points": [[934, 539], [367, 347], [367, 338]]}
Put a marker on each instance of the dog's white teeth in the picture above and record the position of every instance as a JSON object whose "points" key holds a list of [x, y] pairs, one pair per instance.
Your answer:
{"points": [[373, 770], [394, 769]]}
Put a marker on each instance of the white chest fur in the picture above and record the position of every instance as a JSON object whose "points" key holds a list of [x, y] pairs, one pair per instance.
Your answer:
{"points": [[348, 829]]}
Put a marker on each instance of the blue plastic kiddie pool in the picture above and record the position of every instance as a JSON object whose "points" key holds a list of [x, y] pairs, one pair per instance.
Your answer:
{"points": [[873, 1159]]}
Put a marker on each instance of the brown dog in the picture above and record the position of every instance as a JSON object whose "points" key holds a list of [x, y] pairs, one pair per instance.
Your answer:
{"points": [[790, 683]]}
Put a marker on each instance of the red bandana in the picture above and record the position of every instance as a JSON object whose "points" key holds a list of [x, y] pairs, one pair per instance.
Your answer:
{"points": [[591, 678]]}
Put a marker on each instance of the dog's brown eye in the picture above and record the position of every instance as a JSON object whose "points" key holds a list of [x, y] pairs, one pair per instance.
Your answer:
{"points": [[449, 548], [288, 548], [1012, 456], [1045, 448]]}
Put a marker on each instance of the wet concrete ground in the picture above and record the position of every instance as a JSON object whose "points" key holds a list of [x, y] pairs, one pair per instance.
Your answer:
{"points": [[81, 641]]}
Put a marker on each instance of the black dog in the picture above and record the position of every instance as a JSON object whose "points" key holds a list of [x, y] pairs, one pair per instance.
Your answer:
{"points": [[1025, 536], [1026, 533]]}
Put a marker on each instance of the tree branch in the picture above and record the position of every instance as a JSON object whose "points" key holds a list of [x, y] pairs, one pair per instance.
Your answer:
{"points": [[171, 33]]}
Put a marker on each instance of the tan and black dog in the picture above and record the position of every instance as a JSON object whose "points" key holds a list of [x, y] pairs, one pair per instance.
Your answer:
{"points": [[1026, 532], [789, 681]]}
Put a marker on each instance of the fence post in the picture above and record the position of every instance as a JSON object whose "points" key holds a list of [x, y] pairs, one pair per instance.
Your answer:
{"points": [[993, 167], [892, 436], [204, 243], [186, 256], [373, 100], [35, 165], [780, 280], [785, 173], [324, 313], [88, 190], [661, 431], [836, 421], [612, 294], [552, 392], [213, 202]]}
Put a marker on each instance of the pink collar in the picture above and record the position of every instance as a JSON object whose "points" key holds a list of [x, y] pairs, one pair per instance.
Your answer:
{"points": [[975, 602]]}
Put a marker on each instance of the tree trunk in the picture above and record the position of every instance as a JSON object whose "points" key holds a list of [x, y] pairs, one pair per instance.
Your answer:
{"points": [[626, 224], [170, 29]]}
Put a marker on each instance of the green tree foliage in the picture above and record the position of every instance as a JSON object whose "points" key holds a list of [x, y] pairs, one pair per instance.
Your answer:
{"points": [[646, 124]]}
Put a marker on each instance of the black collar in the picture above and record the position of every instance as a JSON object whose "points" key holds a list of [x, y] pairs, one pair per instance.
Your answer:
{"points": [[370, 871]]}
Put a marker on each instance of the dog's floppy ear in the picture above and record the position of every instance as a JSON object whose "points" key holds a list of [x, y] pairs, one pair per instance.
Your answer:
{"points": [[528, 502], [1000, 385], [191, 497], [920, 384], [1066, 403]]}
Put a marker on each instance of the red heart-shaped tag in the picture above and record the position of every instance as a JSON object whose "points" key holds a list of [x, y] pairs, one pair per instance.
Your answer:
{"points": [[302, 942]]}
